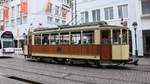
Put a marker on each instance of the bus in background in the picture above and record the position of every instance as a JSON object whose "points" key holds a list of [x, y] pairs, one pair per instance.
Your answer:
{"points": [[6, 43]]}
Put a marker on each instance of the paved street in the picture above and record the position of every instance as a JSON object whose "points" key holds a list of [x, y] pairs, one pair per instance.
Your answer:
{"points": [[16, 68]]}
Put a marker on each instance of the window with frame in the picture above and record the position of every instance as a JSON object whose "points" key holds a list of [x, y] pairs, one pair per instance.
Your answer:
{"points": [[84, 17], [18, 21], [12, 22], [54, 39], [109, 13], [57, 20], [116, 37], [76, 38], [12, 11], [64, 12], [105, 37], [7, 23], [56, 10], [45, 39], [96, 15], [18, 10], [25, 19], [123, 11], [63, 22], [50, 7], [37, 39], [124, 36], [88, 37], [145, 6], [49, 19], [64, 38]]}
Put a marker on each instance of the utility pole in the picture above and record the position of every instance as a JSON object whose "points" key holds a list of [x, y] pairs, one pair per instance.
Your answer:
{"points": [[72, 7], [75, 11]]}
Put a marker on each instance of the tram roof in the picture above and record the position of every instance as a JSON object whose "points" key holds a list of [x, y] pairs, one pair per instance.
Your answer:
{"points": [[101, 24]]}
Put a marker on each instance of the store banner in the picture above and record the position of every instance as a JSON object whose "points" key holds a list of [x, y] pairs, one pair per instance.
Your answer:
{"points": [[6, 12], [23, 6]]}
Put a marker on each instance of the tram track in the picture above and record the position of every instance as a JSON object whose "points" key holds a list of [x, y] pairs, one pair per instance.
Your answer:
{"points": [[64, 77]]}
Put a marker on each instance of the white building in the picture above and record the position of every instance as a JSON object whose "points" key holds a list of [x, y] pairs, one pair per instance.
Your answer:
{"points": [[113, 11], [20, 15]]}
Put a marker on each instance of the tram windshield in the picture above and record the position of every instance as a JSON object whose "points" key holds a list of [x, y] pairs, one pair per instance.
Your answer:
{"points": [[7, 44]]}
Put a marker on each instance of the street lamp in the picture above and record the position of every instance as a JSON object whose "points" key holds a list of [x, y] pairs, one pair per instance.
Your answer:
{"points": [[136, 51]]}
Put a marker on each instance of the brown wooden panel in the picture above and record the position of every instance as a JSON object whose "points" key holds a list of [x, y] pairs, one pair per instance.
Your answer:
{"points": [[67, 49], [105, 52]]}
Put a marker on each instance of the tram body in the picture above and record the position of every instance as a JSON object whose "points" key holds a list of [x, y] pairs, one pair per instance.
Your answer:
{"points": [[6, 43], [95, 42]]}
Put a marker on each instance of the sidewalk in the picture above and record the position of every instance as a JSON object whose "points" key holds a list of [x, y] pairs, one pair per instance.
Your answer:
{"points": [[144, 61]]}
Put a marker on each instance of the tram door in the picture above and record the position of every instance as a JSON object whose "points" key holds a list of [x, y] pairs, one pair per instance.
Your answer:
{"points": [[105, 47], [29, 45]]}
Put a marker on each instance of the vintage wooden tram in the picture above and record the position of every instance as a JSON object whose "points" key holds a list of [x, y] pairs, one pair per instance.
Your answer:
{"points": [[91, 42]]}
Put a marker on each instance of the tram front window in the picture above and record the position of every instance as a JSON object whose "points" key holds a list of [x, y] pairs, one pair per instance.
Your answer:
{"points": [[116, 37], [124, 36], [7, 44]]}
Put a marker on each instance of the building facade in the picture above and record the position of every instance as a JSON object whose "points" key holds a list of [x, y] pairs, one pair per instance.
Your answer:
{"points": [[113, 11], [19, 16]]}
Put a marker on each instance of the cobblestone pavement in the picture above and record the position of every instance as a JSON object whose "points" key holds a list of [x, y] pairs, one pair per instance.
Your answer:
{"points": [[64, 74]]}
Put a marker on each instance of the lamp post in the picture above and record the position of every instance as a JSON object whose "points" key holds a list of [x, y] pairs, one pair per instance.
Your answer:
{"points": [[136, 51]]}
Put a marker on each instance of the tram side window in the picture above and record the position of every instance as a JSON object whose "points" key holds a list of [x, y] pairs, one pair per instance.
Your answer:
{"points": [[37, 39], [64, 38], [76, 38], [124, 36], [116, 37], [88, 37], [54, 39], [105, 37], [45, 40]]}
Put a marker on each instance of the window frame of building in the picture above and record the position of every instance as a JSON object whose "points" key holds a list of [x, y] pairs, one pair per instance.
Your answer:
{"points": [[13, 11], [57, 20], [12, 22], [18, 10], [7, 23], [50, 7], [84, 17], [18, 21], [57, 10], [49, 19], [145, 7], [96, 15], [123, 11], [63, 22], [24, 19], [109, 13]]}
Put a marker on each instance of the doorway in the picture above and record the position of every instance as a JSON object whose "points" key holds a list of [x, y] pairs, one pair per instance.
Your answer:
{"points": [[146, 42]]}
